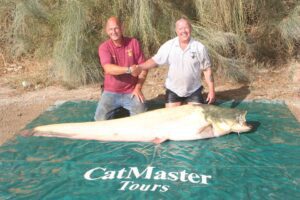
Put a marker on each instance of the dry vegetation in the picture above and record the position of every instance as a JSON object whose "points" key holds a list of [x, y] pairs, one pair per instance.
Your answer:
{"points": [[240, 34]]}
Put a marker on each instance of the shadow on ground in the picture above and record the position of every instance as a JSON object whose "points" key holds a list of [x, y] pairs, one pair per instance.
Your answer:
{"points": [[236, 95]]}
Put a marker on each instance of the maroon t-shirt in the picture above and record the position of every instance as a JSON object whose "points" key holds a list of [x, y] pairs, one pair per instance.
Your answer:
{"points": [[128, 54]]}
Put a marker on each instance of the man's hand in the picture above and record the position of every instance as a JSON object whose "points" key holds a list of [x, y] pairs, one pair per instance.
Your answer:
{"points": [[135, 70], [211, 86], [211, 97], [138, 93]]}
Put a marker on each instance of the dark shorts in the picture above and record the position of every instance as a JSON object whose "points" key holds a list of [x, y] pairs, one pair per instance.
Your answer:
{"points": [[196, 97]]}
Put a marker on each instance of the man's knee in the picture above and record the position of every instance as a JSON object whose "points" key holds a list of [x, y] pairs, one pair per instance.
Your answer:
{"points": [[137, 109], [99, 116], [101, 112]]}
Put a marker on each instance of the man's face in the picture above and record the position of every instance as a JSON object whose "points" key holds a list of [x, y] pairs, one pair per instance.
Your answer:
{"points": [[114, 30], [183, 30]]}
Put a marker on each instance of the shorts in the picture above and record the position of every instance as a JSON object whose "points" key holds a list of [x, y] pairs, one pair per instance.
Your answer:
{"points": [[196, 97]]}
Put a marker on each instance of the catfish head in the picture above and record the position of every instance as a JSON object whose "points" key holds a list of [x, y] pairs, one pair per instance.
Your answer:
{"points": [[240, 124], [225, 121]]}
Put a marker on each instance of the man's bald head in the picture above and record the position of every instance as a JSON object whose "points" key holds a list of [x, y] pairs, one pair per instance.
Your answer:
{"points": [[113, 20], [183, 20], [114, 30]]}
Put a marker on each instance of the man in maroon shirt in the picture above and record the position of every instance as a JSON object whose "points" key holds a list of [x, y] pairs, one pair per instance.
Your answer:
{"points": [[123, 80]]}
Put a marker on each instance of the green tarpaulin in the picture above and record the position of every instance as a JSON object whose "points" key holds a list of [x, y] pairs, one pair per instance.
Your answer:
{"points": [[263, 164]]}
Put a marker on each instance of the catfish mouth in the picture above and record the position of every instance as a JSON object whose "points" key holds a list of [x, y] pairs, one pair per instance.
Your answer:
{"points": [[246, 127], [241, 128]]}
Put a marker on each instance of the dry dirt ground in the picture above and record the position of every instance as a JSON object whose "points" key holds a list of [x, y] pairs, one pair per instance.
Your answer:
{"points": [[20, 106]]}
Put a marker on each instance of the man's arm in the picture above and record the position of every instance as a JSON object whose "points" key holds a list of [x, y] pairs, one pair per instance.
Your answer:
{"points": [[142, 78], [208, 75], [150, 63], [138, 87], [113, 69], [110, 68]]}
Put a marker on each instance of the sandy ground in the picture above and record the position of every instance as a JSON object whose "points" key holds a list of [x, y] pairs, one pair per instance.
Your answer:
{"points": [[19, 106]]}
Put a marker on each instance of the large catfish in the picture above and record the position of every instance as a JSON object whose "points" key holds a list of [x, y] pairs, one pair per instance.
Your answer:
{"points": [[187, 122]]}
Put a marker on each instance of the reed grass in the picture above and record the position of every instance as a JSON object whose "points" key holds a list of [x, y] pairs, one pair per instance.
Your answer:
{"points": [[238, 33], [227, 51], [289, 28], [227, 16], [68, 49]]}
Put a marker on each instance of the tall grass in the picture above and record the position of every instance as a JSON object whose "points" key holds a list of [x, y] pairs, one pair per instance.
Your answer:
{"points": [[222, 28], [289, 28], [238, 33], [31, 31], [227, 16], [227, 50], [68, 49], [141, 22], [6, 17], [242, 33]]}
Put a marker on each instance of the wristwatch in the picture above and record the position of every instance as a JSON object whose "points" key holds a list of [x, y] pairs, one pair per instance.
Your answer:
{"points": [[128, 70]]}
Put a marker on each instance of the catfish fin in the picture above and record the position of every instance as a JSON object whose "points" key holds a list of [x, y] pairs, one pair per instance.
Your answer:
{"points": [[207, 132]]}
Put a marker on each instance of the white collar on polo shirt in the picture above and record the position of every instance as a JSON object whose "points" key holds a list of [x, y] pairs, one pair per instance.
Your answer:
{"points": [[188, 46]]}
